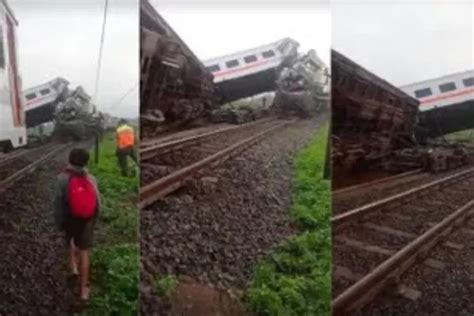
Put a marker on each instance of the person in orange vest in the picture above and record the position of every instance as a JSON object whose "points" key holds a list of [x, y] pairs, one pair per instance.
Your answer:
{"points": [[125, 145]]}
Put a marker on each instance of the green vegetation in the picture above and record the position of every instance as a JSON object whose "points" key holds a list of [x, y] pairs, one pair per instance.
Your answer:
{"points": [[166, 285], [114, 260], [465, 135], [296, 278]]}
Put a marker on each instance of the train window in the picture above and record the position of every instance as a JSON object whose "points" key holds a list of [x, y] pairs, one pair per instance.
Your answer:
{"points": [[45, 91], [2, 50], [423, 93], [30, 96], [213, 68], [232, 63], [468, 82], [446, 87], [250, 59], [268, 54]]}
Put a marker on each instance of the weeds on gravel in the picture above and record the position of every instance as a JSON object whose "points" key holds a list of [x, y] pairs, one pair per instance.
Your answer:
{"points": [[295, 279], [166, 285], [114, 262]]}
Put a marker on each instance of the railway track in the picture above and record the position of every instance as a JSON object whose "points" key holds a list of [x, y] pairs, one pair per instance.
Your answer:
{"points": [[373, 245], [18, 165], [352, 197], [166, 166]]}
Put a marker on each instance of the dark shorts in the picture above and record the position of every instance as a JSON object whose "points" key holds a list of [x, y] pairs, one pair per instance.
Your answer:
{"points": [[80, 231]]}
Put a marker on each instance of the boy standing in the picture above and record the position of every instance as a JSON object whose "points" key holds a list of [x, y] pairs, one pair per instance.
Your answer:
{"points": [[76, 210]]}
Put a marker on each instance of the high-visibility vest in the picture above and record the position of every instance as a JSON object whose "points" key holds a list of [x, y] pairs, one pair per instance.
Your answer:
{"points": [[125, 136]]}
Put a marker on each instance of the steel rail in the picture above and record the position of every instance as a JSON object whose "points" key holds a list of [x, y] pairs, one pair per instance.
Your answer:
{"points": [[378, 181], [21, 153], [149, 151], [356, 213], [390, 271], [4, 184], [164, 186]]}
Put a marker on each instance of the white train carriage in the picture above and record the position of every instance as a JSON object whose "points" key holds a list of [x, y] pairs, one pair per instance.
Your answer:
{"points": [[252, 71], [12, 117], [443, 91], [41, 101]]}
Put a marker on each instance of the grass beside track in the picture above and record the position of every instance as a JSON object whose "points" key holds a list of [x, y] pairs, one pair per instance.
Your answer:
{"points": [[114, 262], [296, 278]]}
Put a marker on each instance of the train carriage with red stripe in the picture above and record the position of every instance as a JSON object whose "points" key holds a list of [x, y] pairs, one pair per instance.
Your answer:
{"points": [[251, 71], [446, 103], [12, 116]]}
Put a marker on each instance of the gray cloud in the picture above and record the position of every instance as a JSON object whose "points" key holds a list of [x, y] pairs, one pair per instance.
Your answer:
{"points": [[61, 38], [213, 29], [405, 42]]}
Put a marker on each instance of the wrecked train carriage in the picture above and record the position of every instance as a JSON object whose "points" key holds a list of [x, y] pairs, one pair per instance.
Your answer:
{"points": [[252, 71], [41, 101], [303, 87], [77, 117], [175, 87], [371, 118]]}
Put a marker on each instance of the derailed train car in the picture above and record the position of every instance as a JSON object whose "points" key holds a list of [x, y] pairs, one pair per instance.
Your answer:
{"points": [[303, 87], [371, 118], [374, 126], [69, 111], [175, 87], [300, 81]]}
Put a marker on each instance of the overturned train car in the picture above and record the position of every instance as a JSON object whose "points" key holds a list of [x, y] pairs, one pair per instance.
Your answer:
{"points": [[375, 126], [371, 118], [175, 87]]}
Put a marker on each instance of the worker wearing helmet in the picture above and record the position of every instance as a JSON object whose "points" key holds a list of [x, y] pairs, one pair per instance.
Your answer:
{"points": [[125, 137]]}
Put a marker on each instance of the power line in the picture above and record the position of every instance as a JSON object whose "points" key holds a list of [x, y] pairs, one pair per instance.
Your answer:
{"points": [[97, 77], [126, 94]]}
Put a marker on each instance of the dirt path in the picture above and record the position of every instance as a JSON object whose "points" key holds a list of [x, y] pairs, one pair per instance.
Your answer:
{"points": [[33, 273], [216, 229]]}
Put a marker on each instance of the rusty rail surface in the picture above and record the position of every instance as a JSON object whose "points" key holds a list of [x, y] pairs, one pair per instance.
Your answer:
{"points": [[4, 184], [164, 186], [19, 153], [152, 150], [378, 181], [356, 213], [389, 271]]}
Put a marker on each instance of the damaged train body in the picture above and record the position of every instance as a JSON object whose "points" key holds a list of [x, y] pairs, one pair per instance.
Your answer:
{"points": [[70, 112], [175, 87], [374, 127], [303, 87], [77, 118], [252, 71], [299, 81]]}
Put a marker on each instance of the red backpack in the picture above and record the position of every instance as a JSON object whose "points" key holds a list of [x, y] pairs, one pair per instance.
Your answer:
{"points": [[82, 196]]}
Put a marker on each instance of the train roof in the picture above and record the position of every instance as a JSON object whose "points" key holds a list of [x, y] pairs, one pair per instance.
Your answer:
{"points": [[49, 83], [152, 20], [369, 76], [210, 61], [459, 74]]}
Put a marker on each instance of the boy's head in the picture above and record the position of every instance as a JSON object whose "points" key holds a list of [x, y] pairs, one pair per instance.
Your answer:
{"points": [[79, 157]]}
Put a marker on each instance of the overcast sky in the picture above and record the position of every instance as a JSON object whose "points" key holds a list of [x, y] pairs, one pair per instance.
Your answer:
{"points": [[62, 37], [211, 28], [406, 41]]}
